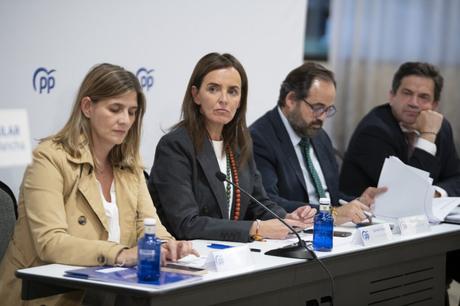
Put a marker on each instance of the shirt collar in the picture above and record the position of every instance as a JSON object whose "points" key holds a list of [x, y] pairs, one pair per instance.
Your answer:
{"points": [[295, 139]]}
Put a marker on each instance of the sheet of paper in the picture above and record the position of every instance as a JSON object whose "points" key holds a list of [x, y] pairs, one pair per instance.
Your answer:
{"points": [[444, 206], [454, 216], [408, 190]]}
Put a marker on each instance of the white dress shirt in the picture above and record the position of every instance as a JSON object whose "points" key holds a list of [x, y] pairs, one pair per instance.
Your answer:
{"points": [[295, 139]]}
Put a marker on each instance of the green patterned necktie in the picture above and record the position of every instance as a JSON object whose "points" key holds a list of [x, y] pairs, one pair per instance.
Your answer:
{"points": [[305, 148]]}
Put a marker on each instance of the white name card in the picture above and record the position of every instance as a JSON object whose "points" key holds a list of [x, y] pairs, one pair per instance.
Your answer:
{"points": [[414, 225], [14, 138], [373, 234], [234, 258]]}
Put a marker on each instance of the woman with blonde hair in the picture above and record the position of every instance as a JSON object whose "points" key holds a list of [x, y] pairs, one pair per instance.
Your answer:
{"points": [[84, 197]]}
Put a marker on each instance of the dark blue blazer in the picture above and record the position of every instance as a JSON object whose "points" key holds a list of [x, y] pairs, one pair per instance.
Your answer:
{"points": [[378, 136], [280, 169], [191, 201]]}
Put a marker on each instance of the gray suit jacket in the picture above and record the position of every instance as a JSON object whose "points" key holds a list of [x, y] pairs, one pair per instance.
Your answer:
{"points": [[190, 199]]}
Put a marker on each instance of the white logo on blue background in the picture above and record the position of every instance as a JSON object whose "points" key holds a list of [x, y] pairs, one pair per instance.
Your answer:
{"points": [[43, 81], [145, 77]]}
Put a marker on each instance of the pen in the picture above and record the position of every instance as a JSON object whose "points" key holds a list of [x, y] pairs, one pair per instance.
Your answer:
{"points": [[255, 250], [369, 216], [219, 246]]}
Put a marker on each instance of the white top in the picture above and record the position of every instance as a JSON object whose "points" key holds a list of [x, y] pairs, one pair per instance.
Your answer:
{"points": [[295, 139], [111, 212], [218, 146]]}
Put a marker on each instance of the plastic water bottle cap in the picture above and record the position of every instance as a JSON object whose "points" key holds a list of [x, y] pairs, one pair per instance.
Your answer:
{"points": [[324, 201], [149, 221]]}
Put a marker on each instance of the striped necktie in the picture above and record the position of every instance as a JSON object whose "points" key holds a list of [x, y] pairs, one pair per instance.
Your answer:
{"points": [[411, 138], [305, 148]]}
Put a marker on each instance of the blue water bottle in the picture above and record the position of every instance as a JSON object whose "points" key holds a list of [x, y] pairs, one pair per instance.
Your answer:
{"points": [[148, 253], [323, 227]]}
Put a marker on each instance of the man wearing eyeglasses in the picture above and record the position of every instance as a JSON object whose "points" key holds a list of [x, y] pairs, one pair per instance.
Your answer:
{"points": [[295, 155]]}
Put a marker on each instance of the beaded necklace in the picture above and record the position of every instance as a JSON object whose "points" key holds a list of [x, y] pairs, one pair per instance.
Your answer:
{"points": [[232, 170]]}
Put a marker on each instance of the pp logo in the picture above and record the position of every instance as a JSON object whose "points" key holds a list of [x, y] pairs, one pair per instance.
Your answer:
{"points": [[365, 235], [145, 77], [43, 81]]}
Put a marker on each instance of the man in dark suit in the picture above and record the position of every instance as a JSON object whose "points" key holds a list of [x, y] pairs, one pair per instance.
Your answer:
{"points": [[409, 128], [295, 155]]}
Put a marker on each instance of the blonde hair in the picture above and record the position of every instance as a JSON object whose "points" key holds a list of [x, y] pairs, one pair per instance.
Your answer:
{"points": [[104, 81]]}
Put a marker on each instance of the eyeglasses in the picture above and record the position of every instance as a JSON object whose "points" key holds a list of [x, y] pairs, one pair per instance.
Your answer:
{"points": [[319, 109]]}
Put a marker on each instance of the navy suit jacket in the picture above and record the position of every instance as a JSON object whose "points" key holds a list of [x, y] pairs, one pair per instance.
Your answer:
{"points": [[280, 168], [191, 201], [379, 136]]}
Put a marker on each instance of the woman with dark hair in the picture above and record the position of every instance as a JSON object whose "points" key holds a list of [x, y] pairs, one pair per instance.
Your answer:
{"points": [[213, 137], [84, 197]]}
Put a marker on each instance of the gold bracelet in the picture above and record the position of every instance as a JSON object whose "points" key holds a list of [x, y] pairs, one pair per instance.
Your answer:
{"points": [[257, 236], [334, 212], [428, 132]]}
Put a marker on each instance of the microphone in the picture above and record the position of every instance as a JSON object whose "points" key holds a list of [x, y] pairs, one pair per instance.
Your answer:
{"points": [[298, 250]]}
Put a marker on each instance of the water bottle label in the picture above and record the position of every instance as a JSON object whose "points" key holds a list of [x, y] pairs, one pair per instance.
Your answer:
{"points": [[144, 252]]}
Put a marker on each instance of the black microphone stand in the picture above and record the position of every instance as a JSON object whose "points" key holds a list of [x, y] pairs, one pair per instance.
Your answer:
{"points": [[297, 250]]}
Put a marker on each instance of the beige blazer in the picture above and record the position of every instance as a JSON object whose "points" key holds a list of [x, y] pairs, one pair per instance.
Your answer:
{"points": [[62, 219]]}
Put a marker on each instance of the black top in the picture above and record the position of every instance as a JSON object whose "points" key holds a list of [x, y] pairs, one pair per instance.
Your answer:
{"points": [[191, 201]]}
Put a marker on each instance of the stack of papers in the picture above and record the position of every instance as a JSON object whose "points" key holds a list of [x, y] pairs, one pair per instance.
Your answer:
{"points": [[410, 192], [453, 216]]}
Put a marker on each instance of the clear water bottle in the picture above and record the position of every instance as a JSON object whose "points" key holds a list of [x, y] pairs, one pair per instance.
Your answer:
{"points": [[148, 253], [323, 227]]}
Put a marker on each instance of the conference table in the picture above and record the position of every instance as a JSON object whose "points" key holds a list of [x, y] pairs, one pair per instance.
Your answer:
{"points": [[404, 270]]}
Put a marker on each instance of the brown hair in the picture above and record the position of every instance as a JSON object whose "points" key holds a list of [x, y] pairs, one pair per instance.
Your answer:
{"points": [[235, 133], [104, 81], [420, 69], [300, 79]]}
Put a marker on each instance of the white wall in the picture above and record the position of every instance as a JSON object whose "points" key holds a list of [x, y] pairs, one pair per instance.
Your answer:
{"points": [[168, 36]]}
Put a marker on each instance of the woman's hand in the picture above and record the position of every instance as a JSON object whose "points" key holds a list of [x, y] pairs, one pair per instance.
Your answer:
{"points": [[274, 229], [173, 250], [304, 214], [127, 257]]}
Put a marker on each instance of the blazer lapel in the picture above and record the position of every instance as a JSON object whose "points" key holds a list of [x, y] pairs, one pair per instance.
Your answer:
{"points": [[208, 162], [88, 188], [126, 200], [288, 148]]}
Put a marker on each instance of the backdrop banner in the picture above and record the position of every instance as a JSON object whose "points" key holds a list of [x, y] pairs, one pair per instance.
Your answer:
{"points": [[48, 46]]}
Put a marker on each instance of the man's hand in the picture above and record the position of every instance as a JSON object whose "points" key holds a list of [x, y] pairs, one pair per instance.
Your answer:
{"points": [[353, 211], [368, 196], [428, 124]]}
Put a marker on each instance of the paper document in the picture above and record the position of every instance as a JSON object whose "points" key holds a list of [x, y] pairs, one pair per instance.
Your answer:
{"points": [[454, 216], [128, 275], [410, 192]]}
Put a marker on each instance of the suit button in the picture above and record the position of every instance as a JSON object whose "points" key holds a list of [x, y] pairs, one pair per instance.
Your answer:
{"points": [[82, 220], [101, 259]]}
